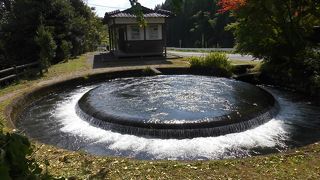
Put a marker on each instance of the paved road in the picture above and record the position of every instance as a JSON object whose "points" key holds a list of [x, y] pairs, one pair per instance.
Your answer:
{"points": [[231, 56]]}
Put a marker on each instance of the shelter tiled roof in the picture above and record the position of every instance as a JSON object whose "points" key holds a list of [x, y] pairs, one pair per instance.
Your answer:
{"points": [[129, 15], [147, 13]]}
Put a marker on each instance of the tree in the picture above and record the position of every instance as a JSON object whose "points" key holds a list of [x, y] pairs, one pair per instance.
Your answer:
{"points": [[230, 5], [4, 8], [71, 23], [197, 25], [47, 47], [19, 32], [280, 32], [133, 2]]}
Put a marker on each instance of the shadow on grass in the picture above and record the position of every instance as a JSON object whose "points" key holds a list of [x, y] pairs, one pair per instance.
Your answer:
{"points": [[104, 60], [29, 74]]}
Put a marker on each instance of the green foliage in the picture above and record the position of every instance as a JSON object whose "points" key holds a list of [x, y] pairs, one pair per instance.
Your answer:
{"points": [[5, 6], [281, 33], [195, 62], [300, 73], [214, 63], [197, 25], [137, 9], [14, 164], [72, 25], [217, 60], [315, 84], [176, 5], [19, 31], [3, 63], [66, 49], [47, 47], [148, 71]]}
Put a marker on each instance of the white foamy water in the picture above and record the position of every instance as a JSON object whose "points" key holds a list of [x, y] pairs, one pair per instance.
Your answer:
{"points": [[271, 135]]}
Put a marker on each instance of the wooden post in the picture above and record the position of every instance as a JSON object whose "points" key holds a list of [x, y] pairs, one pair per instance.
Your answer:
{"points": [[164, 35], [144, 33], [109, 33], [111, 38], [16, 72]]}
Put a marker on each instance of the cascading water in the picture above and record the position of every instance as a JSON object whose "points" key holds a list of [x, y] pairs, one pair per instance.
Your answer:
{"points": [[178, 107], [53, 120]]}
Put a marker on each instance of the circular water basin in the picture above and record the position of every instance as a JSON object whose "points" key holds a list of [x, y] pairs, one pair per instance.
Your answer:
{"points": [[54, 119]]}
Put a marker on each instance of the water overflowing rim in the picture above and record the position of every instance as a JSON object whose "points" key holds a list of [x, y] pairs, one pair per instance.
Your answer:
{"points": [[220, 125], [223, 120]]}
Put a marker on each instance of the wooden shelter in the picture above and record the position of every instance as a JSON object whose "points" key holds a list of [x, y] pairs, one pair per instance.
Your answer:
{"points": [[128, 38]]}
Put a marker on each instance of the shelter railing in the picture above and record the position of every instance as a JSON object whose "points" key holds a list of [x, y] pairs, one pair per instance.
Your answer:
{"points": [[15, 72]]}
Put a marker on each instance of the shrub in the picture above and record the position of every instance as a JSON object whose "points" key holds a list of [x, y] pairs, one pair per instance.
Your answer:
{"points": [[66, 47], [47, 46], [14, 163], [195, 62], [218, 60], [214, 64], [301, 73], [315, 85], [148, 71]]}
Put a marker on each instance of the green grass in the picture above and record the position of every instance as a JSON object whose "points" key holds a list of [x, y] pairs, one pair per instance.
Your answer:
{"points": [[79, 64], [241, 62], [202, 51], [236, 61], [303, 163], [3, 120], [73, 66], [299, 164]]}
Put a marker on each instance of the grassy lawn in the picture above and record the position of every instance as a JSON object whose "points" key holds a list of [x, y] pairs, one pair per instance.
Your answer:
{"points": [[202, 50], [303, 163], [234, 61], [240, 62], [300, 164]]}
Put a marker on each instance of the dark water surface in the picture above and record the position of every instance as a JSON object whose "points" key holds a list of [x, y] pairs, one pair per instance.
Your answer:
{"points": [[175, 99]]}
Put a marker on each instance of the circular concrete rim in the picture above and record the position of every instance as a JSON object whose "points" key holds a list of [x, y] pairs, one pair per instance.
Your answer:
{"points": [[227, 124], [14, 110]]}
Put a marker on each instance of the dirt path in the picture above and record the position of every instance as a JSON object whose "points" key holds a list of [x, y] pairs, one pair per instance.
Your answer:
{"points": [[9, 96]]}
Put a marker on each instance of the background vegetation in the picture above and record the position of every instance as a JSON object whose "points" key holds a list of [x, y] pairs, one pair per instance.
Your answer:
{"points": [[285, 37], [197, 24], [47, 30]]}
